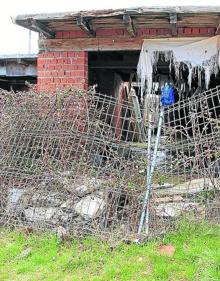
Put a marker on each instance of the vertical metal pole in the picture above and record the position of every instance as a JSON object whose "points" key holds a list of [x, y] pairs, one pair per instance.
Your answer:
{"points": [[148, 164], [145, 211], [149, 146], [149, 132]]}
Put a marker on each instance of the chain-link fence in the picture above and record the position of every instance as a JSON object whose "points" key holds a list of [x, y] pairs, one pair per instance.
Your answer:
{"points": [[76, 161]]}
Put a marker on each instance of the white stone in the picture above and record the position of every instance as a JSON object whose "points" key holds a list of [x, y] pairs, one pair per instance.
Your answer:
{"points": [[81, 189], [176, 209], [67, 204], [14, 196], [90, 207], [85, 186], [40, 213]]}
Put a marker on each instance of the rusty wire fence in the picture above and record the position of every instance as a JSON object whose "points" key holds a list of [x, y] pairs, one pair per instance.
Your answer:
{"points": [[75, 162]]}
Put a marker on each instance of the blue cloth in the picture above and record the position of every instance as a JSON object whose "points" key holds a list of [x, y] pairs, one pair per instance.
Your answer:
{"points": [[167, 97]]}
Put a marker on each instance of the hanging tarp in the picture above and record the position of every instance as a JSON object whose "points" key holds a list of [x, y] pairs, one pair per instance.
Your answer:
{"points": [[197, 53]]}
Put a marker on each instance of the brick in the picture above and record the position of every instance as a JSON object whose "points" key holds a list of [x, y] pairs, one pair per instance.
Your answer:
{"points": [[71, 54], [71, 80], [51, 67], [81, 54], [40, 56], [39, 80], [63, 80], [78, 33], [67, 61], [111, 32], [163, 31], [153, 31], [81, 73], [70, 34], [180, 30], [203, 31], [59, 34], [60, 73], [62, 69], [40, 62], [81, 61], [143, 31], [187, 31], [64, 54], [195, 31], [66, 34], [40, 67], [59, 61], [57, 80]]}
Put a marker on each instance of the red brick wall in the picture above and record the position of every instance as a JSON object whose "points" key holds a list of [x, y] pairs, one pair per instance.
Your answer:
{"points": [[70, 68], [141, 32], [62, 69]]}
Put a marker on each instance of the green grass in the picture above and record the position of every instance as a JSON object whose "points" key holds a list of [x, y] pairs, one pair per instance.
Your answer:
{"points": [[197, 257]]}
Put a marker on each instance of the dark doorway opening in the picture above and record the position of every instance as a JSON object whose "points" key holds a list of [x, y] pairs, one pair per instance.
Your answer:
{"points": [[104, 65]]}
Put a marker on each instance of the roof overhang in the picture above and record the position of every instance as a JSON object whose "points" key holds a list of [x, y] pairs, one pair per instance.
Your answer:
{"points": [[130, 19]]}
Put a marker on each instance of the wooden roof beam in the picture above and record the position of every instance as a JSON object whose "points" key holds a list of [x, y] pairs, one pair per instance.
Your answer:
{"points": [[84, 25], [129, 25], [173, 23], [39, 27]]}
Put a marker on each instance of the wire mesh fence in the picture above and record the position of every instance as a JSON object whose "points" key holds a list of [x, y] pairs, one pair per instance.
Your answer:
{"points": [[75, 162]]}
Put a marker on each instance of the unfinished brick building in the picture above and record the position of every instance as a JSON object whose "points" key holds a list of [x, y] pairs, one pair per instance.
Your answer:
{"points": [[83, 48]]}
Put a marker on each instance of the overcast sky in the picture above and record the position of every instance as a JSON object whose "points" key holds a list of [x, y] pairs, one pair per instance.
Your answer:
{"points": [[14, 39]]}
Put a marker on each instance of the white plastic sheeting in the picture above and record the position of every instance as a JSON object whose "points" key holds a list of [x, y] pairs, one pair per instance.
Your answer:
{"points": [[197, 53]]}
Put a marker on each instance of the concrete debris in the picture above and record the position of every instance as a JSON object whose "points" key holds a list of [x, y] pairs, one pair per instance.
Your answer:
{"points": [[167, 199], [191, 187], [67, 204], [163, 185], [51, 199], [173, 210], [42, 205], [90, 207], [83, 186], [81, 190], [40, 214], [14, 196], [87, 201]]}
